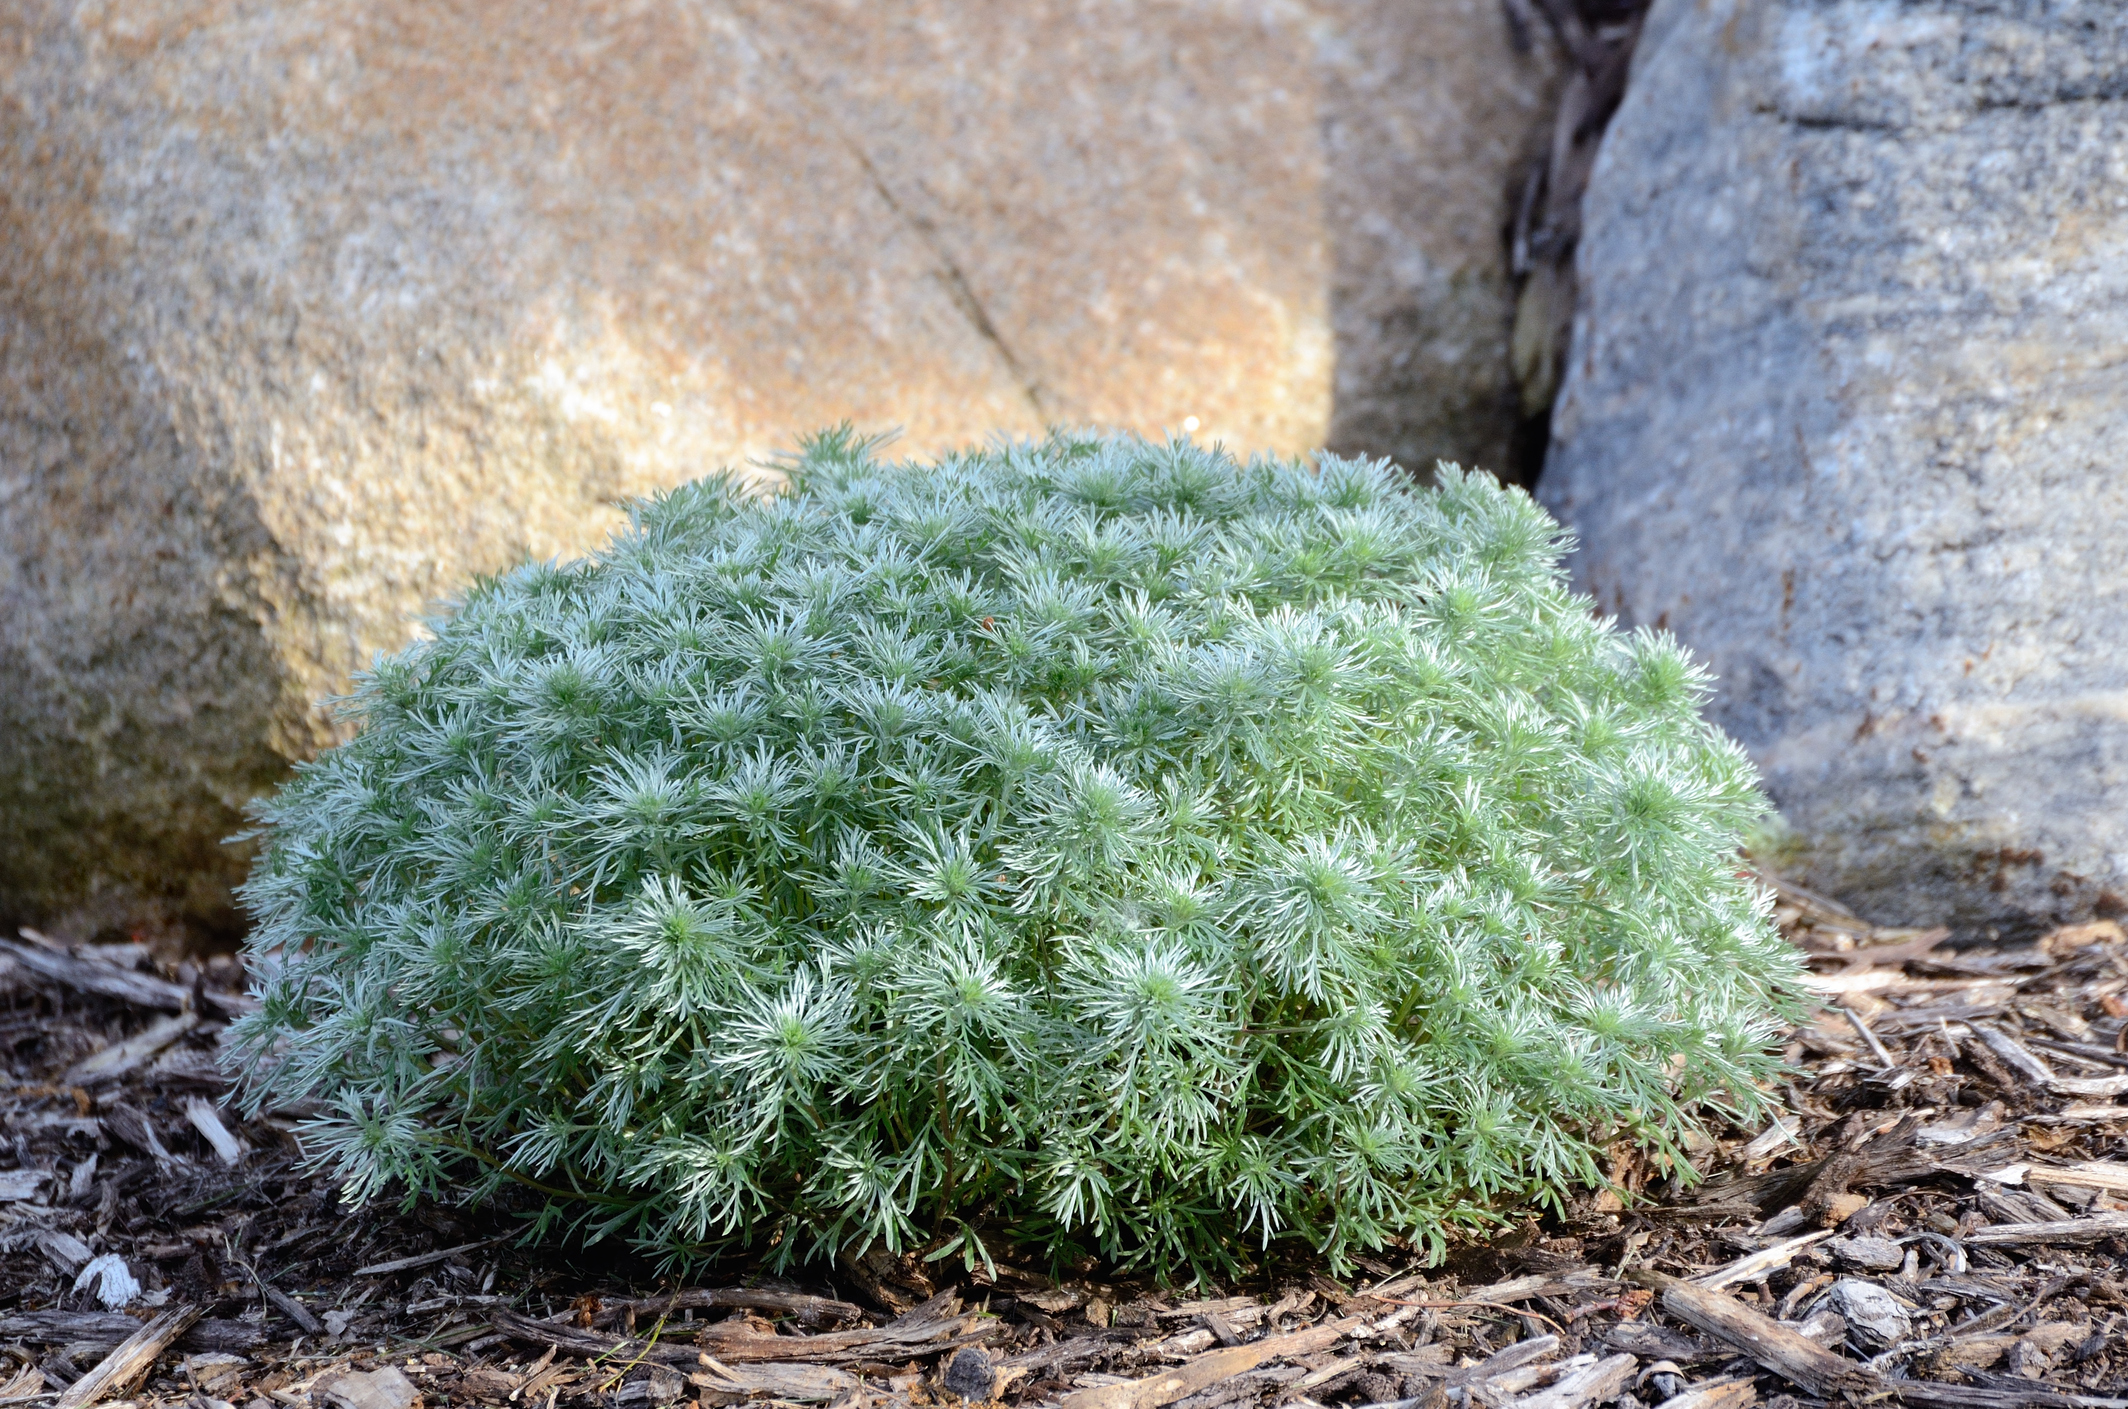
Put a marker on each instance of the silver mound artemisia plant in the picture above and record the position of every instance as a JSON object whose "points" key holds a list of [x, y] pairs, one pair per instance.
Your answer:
{"points": [[1106, 842]]}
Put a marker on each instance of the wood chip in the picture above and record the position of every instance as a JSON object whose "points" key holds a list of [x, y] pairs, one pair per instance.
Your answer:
{"points": [[136, 1130], [2086, 1174], [1760, 1336], [1054, 1301], [1594, 1384], [104, 1330], [1500, 1362], [1336, 1368], [1853, 981], [923, 1332], [129, 1360], [1508, 1383], [1428, 1360], [1207, 1370], [27, 1382], [2028, 1065], [2071, 1230], [2066, 940], [886, 1342], [809, 1310], [2079, 1113], [487, 1382], [387, 1388], [1661, 1343], [1572, 1279], [208, 1122], [295, 1311], [799, 1384], [1950, 1396], [1774, 1137], [2091, 1085], [67, 1253], [1747, 1269], [1435, 1361], [1714, 1394], [17, 1185], [425, 1259], [132, 1054], [589, 1344], [89, 976], [541, 1376]]}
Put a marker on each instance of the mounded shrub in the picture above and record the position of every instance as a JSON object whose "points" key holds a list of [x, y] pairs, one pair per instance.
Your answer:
{"points": [[1105, 842]]}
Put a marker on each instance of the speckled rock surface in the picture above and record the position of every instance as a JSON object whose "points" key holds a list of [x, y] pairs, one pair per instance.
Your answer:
{"points": [[1848, 412], [309, 312]]}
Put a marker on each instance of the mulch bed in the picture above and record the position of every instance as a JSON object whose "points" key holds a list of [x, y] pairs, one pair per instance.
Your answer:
{"points": [[1941, 1221]]}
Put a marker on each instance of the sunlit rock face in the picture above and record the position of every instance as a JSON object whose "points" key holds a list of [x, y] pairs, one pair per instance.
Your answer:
{"points": [[311, 312]]}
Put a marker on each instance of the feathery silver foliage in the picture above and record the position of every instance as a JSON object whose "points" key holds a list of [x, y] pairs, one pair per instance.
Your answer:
{"points": [[1147, 852]]}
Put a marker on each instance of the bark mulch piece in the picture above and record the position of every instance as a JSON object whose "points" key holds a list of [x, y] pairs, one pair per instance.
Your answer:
{"points": [[1940, 1221]]}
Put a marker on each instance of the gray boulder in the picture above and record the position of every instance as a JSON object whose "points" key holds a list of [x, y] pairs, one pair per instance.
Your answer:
{"points": [[1847, 411], [310, 312]]}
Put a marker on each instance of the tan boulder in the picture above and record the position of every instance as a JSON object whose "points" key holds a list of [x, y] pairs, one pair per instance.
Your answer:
{"points": [[310, 312]]}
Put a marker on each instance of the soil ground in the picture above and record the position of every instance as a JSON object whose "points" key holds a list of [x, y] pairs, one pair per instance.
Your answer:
{"points": [[1943, 1219]]}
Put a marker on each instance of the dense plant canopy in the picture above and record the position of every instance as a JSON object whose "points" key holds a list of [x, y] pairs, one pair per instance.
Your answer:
{"points": [[1103, 841]]}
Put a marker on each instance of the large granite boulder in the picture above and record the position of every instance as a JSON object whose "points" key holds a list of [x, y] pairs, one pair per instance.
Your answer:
{"points": [[311, 311], [1847, 410]]}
